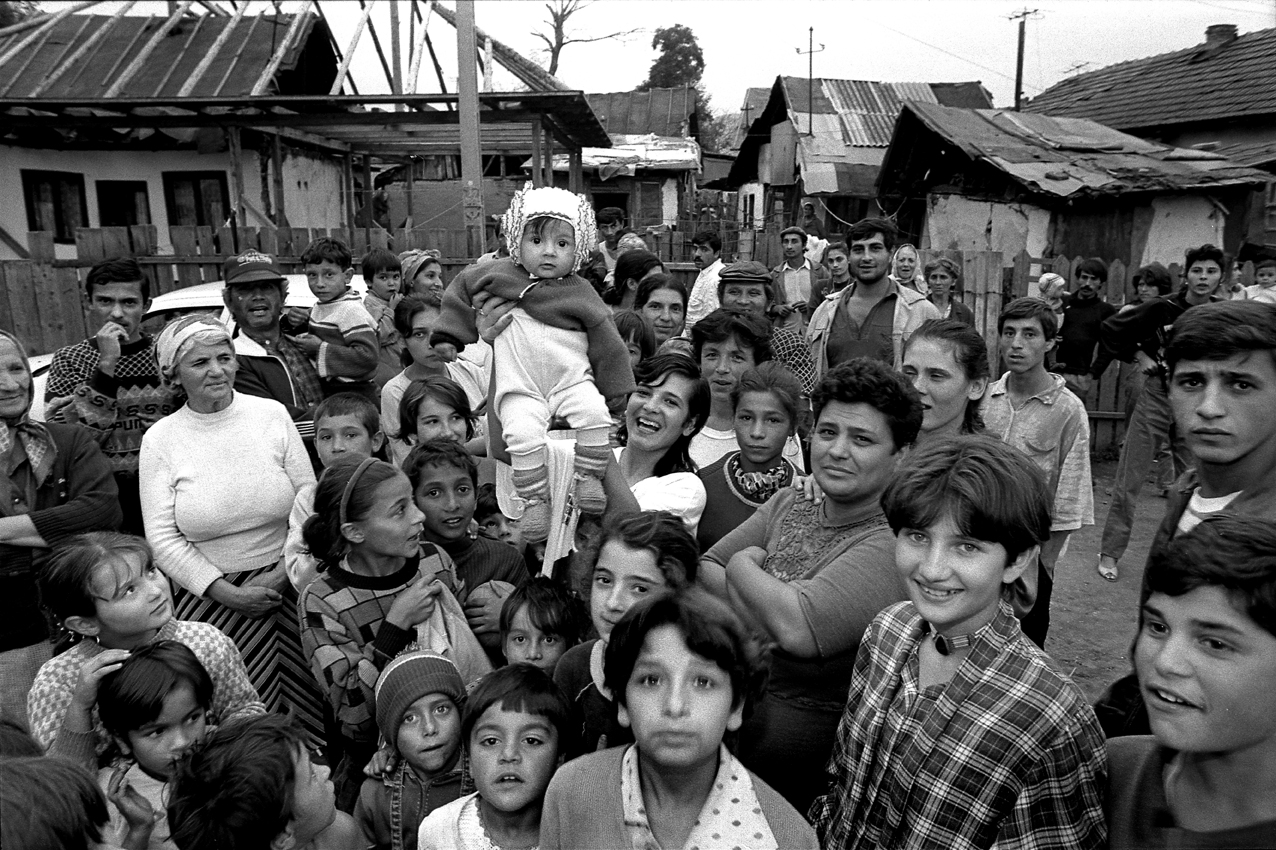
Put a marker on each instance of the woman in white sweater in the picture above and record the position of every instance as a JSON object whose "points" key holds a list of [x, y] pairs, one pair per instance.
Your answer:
{"points": [[218, 480]]}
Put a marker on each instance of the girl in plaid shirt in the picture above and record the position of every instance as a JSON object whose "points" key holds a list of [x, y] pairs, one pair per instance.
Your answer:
{"points": [[959, 732]]}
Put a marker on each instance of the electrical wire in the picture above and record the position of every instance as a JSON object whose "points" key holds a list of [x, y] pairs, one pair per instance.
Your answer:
{"points": [[947, 52]]}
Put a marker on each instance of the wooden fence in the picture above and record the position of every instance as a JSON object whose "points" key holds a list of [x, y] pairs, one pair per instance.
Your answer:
{"points": [[41, 300]]}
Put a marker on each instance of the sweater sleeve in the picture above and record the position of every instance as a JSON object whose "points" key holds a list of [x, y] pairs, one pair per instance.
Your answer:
{"points": [[456, 317], [1123, 333], [234, 696], [301, 566], [296, 461], [175, 555], [609, 358], [92, 499], [356, 356], [345, 668]]}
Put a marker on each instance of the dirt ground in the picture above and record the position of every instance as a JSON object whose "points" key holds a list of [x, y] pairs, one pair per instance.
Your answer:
{"points": [[1092, 621]]}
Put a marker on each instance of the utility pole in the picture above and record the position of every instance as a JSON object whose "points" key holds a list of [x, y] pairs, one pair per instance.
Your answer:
{"points": [[468, 107], [810, 52], [1022, 16]]}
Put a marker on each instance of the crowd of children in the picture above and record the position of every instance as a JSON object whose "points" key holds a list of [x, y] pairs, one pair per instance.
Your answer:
{"points": [[499, 584]]}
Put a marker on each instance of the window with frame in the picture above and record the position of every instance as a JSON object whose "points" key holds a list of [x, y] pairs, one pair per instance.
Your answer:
{"points": [[123, 203], [55, 202], [199, 198]]}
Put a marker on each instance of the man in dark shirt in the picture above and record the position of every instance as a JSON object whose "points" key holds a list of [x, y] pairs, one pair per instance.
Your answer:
{"points": [[1083, 315]]}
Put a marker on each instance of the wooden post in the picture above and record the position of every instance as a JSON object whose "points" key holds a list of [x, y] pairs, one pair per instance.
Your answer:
{"points": [[471, 151], [348, 177], [277, 162], [538, 177], [576, 176], [407, 225], [236, 177], [367, 199], [549, 155], [395, 59]]}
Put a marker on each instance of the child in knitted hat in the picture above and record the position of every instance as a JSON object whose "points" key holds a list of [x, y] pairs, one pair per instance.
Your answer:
{"points": [[560, 356], [419, 697]]}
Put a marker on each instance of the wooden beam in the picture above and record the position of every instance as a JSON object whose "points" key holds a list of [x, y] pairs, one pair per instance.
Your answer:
{"points": [[74, 48], [376, 42], [277, 163], [471, 150], [220, 42], [32, 52], [236, 176], [125, 53], [538, 178], [419, 47], [214, 8], [367, 199], [332, 40], [39, 24], [345, 60], [199, 22], [139, 60], [347, 177], [234, 60], [14, 245], [396, 59], [272, 67], [87, 51]]}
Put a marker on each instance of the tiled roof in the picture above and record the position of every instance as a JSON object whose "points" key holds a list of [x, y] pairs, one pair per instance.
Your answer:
{"points": [[656, 112], [1235, 79], [87, 56], [1051, 157]]}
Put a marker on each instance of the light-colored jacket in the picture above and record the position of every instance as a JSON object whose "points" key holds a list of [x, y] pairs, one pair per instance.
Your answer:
{"points": [[911, 309]]}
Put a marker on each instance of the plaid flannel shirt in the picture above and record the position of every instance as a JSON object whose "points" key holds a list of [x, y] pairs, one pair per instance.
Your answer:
{"points": [[1008, 751]]}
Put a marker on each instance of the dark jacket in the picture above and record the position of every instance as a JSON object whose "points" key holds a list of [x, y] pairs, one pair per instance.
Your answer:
{"points": [[1080, 334], [79, 495], [264, 375], [1145, 328]]}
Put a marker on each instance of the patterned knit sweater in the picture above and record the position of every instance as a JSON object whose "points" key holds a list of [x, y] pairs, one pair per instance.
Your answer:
{"points": [[119, 407], [348, 349], [233, 695]]}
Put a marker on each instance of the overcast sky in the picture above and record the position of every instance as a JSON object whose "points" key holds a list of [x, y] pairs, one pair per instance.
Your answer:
{"points": [[749, 42]]}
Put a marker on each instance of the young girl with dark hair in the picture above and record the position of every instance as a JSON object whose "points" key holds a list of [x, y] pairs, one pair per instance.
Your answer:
{"points": [[376, 579]]}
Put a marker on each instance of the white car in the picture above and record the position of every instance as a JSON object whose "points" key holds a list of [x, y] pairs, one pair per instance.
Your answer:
{"points": [[201, 298]]}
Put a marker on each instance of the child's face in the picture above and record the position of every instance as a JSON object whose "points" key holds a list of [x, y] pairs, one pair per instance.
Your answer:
{"points": [[635, 353], [623, 577], [133, 600], [181, 723], [436, 420], [513, 756], [762, 426], [1265, 277], [524, 643], [418, 340], [445, 494], [327, 280], [954, 581], [430, 734], [344, 436], [385, 284], [549, 254], [1207, 672], [1223, 408], [1024, 345], [392, 527], [314, 802], [500, 527], [428, 282], [678, 703]]}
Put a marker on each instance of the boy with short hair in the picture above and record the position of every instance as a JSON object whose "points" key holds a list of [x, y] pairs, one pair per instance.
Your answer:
{"points": [[1205, 656], [540, 621], [685, 672], [155, 707], [419, 698], [515, 727], [251, 785], [444, 479], [958, 731], [383, 274], [347, 426], [1264, 286], [341, 336], [1031, 409]]}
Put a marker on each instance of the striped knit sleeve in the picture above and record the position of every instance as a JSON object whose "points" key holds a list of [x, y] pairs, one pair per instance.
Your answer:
{"points": [[356, 355], [234, 696]]}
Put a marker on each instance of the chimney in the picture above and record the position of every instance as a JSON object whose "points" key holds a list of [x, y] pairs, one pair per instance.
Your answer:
{"points": [[1218, 35]]}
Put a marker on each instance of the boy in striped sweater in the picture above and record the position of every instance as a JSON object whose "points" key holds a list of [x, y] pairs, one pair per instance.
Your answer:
{"points": [[340, 334]]}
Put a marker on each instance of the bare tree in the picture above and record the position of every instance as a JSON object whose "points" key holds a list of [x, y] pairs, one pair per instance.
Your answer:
{"points": [[560, 11]]}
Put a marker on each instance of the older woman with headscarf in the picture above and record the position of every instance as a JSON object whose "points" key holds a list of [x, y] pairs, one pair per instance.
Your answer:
{"points": [[218, 480], [57, 483], [943, 279]]}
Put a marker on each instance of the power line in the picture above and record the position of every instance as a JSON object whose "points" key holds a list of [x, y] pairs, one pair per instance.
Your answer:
{"points": [[1004, 76], [1266, 12]]}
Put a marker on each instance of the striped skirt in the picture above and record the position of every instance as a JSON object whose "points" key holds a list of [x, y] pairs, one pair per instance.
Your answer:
{"points": [[271, 649]]}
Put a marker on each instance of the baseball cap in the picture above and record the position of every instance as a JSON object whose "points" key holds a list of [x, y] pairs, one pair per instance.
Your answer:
{"points": [[250, 267]]}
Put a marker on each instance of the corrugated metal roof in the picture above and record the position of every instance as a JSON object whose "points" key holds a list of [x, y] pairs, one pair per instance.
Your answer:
{"points": [[660, 112], [239, 61], [630, 154], [1069, 157], [867, 109], [1204, 83]]}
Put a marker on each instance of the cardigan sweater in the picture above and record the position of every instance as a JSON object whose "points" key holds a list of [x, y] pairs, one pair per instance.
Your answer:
{"points": [[592, 715], [217, 489], [79, 495], [583, 808], [570, 303]]}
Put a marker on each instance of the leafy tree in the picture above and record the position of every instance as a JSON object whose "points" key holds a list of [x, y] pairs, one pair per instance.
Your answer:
{"points": [[560, 11], [681, 61]]}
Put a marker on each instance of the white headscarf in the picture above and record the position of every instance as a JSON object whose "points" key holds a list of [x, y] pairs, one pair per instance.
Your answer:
{"points": [[551, 202], [178, 335]]}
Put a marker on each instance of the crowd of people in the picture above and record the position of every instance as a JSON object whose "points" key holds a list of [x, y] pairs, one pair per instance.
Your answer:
{"points": [[562, 553]]}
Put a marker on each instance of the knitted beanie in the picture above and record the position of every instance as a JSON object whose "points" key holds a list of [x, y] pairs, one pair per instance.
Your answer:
{"points": [[405, 680], [551, 202]]}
